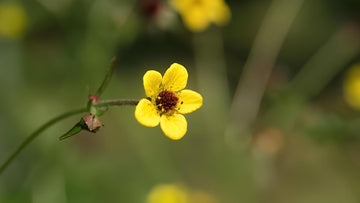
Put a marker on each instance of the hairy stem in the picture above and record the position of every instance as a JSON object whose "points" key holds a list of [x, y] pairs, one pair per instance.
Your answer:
{"points": [[117, 102], [31, 137]]}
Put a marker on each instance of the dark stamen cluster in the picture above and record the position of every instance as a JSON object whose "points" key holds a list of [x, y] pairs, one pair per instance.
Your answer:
{"points": [[166, 101]]}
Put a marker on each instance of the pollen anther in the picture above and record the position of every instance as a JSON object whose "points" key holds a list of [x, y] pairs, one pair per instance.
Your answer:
{"points": [[166, 101]]}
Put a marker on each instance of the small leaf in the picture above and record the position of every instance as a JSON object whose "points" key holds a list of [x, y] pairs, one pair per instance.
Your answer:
{"points": [[89, 122], [74, 130]]}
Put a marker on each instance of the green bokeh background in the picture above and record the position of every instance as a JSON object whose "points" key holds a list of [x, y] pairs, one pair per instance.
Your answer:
{"points": [[66, 50]]}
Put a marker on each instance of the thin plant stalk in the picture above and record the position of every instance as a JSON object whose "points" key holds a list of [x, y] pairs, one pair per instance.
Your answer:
{"points": [[325, 64], [315, 75], [35, 134], [211, 71], [107, 78], [258, 67], [31, 137]]}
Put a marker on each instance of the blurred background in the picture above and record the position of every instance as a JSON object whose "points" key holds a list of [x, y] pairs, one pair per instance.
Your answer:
{"points": [[280, 120]]}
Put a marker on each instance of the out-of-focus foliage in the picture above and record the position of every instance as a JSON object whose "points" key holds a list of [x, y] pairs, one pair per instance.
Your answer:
{"points": [[302, 144]]}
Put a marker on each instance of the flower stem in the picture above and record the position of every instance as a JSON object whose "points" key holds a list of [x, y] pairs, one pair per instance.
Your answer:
{"points": [[117, 102], [37, 133], [107, 78], [28, 140]]}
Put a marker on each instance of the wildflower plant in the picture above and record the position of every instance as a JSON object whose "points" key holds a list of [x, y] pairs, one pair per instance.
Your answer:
{"points": [[166, 101]]}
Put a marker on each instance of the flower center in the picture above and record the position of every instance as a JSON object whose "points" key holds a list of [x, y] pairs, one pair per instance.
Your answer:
{"points": [[166, 101]]}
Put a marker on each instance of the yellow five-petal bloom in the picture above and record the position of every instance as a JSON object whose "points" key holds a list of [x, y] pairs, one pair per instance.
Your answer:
{"points": [[167, 100], [198, 14]]}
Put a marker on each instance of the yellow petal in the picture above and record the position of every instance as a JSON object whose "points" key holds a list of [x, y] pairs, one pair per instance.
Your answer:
{"points": [[175, 77], [146, 113], [178, 4], [196, 19], [189, 101], [152, 81], [352, 87], [174, 126], [222, 14]]}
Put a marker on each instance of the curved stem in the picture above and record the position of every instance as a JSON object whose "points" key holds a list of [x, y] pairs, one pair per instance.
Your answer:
{"points": [[37, 133], [28, 140]]}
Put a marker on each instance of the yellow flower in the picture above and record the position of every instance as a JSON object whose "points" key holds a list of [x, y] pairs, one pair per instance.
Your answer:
{"points": [[167, 101], [167, 193], [175, 193], [12, 20], [198, 14], [199, 196], [352, 87]]}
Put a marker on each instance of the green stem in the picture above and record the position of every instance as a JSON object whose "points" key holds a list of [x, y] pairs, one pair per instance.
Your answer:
{"points": [[117, 102], [107, 78], [325, 64], [258, 68], [28, 140], [37, 133]]}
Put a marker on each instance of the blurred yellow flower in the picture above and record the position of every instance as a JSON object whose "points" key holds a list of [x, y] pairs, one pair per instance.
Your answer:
{"points": [[198, 14], [167, 193], [167, 101], [352, 87], [175, 193], [202, 197], [12, 20]]}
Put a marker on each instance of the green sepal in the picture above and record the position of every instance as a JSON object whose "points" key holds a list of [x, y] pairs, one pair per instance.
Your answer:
{"points": [[81, 125]]}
